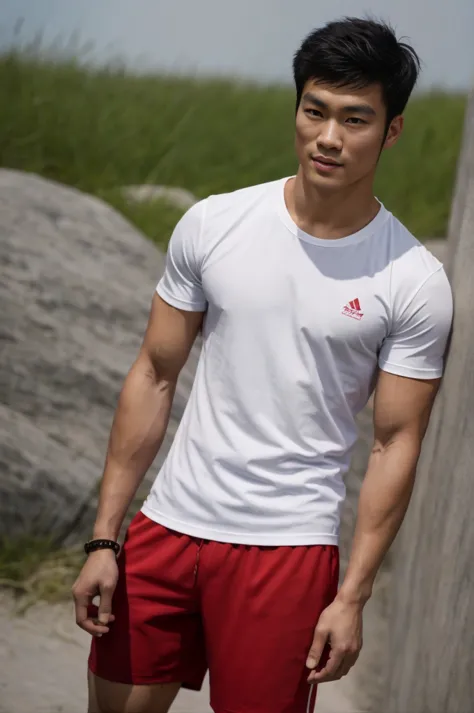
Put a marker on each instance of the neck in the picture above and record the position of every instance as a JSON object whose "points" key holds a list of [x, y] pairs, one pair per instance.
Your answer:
{"points": [[330, 214]]}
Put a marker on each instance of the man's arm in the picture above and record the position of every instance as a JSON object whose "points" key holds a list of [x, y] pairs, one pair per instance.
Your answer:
{"points": [[137, 432], [143, 411], [402, 410]]}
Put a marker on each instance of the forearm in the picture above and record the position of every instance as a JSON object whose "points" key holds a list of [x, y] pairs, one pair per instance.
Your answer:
{"points": [[384, 498], [137, 432]]}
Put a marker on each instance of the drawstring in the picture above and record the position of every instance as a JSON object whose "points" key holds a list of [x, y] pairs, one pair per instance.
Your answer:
{"points": [[310, 695], [198, 555]]}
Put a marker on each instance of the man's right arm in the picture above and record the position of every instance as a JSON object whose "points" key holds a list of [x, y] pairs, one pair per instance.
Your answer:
{"points": [[143, 411], [138, 430]]}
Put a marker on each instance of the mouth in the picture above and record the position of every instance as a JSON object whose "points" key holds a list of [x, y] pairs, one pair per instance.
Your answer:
{"points": [[325, 165]]}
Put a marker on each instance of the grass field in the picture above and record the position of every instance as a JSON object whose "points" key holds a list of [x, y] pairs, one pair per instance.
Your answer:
{"points": [[101, 129]]}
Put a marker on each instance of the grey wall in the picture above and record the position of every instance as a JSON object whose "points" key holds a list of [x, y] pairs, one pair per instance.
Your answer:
{"points": [[432, 626]]}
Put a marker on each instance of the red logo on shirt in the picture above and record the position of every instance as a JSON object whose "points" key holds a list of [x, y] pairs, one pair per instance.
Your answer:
{"points": [[352, 309]]}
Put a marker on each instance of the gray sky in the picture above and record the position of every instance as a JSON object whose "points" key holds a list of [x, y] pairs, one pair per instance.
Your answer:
{"points": [[249, 38]]}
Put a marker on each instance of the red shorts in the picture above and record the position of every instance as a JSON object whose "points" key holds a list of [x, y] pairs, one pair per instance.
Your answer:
{"points": [[247, 613]]}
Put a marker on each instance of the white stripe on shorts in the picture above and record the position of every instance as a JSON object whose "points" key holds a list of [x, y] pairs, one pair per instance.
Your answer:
{"points": [[310, 709]]}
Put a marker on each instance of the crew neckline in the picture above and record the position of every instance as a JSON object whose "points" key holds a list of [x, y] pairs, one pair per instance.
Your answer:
{"points": [[366, 232]]}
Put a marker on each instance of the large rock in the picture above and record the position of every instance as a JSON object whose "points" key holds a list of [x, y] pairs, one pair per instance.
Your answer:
{"points": [[76, 283]]}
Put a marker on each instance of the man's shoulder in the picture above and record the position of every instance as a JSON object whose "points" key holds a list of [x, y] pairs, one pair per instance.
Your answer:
{"points": [[217, 208], [240, 199], [411, 258], [414, 270]]}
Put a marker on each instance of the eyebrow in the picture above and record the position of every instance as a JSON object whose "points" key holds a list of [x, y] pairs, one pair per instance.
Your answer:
{"points": [[354, 108]]}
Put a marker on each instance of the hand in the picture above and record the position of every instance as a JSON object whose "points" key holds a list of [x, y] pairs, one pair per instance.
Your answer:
{"points": [[339, 629], [99, 576]]}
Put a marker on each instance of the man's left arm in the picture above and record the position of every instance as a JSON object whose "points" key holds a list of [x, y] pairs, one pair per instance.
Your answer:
{"points": [[402, 410], [411, 362]]}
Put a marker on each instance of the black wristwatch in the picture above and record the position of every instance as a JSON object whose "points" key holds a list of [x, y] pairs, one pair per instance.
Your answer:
{"points": [[94, 545]]}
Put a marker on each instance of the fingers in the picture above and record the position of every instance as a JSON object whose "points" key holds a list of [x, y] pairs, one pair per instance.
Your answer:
{"points": [[317, 648], [334, 671], [105, 604], [84, 615], [94, 620], [346, 666], [330, 670], [81, 606], [98, 578]]}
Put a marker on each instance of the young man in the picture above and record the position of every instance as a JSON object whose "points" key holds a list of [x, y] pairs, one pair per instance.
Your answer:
{"points": [[309, 293]]}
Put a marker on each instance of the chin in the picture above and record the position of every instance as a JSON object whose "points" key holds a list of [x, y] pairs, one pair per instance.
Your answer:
{"points": [[319, 181]]}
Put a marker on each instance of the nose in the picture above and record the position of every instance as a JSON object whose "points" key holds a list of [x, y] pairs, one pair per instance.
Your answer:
{"points": [[329, 137]]}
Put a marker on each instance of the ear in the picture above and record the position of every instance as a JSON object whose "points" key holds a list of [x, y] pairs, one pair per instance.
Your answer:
{"points": [[394, 132]]}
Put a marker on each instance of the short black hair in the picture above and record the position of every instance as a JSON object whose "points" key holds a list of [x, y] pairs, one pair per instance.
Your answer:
{"points": [[357, 52]]}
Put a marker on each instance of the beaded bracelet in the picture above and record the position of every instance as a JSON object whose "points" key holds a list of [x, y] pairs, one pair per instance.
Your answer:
{"points": [[94, 545]]}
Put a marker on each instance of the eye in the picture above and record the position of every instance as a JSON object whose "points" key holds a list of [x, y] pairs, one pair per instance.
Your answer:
{"points": [[312, 112], [356, 121]]}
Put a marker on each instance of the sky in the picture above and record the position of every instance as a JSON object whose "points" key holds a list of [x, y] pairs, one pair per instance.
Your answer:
{"points": [[247, 38]]}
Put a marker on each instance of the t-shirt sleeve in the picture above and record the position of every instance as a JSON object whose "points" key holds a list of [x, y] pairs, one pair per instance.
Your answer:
{"points": [[181, 284], [417, 342]]}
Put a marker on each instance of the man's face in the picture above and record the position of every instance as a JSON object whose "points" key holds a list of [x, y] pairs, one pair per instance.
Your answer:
{"points": [[340, 133]]}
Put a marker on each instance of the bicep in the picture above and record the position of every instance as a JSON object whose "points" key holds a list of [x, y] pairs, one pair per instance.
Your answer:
{"points": [[169, 337], [179, 302], [402, 406]]}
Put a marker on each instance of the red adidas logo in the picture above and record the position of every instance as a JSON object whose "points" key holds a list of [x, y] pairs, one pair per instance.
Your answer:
{"points": [[352, 309]]}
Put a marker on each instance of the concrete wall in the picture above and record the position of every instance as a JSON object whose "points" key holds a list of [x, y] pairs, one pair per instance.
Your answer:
{"points": [[431, 650]]}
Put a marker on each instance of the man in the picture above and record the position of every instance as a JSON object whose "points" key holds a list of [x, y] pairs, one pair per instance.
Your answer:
{"points": [[309, 293]]}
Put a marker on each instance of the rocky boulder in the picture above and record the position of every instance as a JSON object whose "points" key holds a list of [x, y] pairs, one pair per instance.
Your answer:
{"points": [[76, 283]]}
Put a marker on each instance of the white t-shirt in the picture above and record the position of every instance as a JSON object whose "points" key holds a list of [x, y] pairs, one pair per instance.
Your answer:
{"points": [[294, 329]]}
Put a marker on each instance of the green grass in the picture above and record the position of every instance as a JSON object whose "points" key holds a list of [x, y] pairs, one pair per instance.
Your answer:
{"points": [[156, 218], [101, 129], [35, 570]]}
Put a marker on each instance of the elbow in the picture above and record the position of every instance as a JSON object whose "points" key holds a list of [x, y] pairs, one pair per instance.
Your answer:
{"points": [[406, 436], [403, 446], [155, 372]]}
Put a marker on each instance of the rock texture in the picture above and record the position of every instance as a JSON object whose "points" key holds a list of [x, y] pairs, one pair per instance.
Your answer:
{"points": [[179, 197], [76, 282]]}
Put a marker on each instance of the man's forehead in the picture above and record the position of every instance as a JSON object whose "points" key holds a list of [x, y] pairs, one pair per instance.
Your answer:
{"points": [[344, 95]]}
